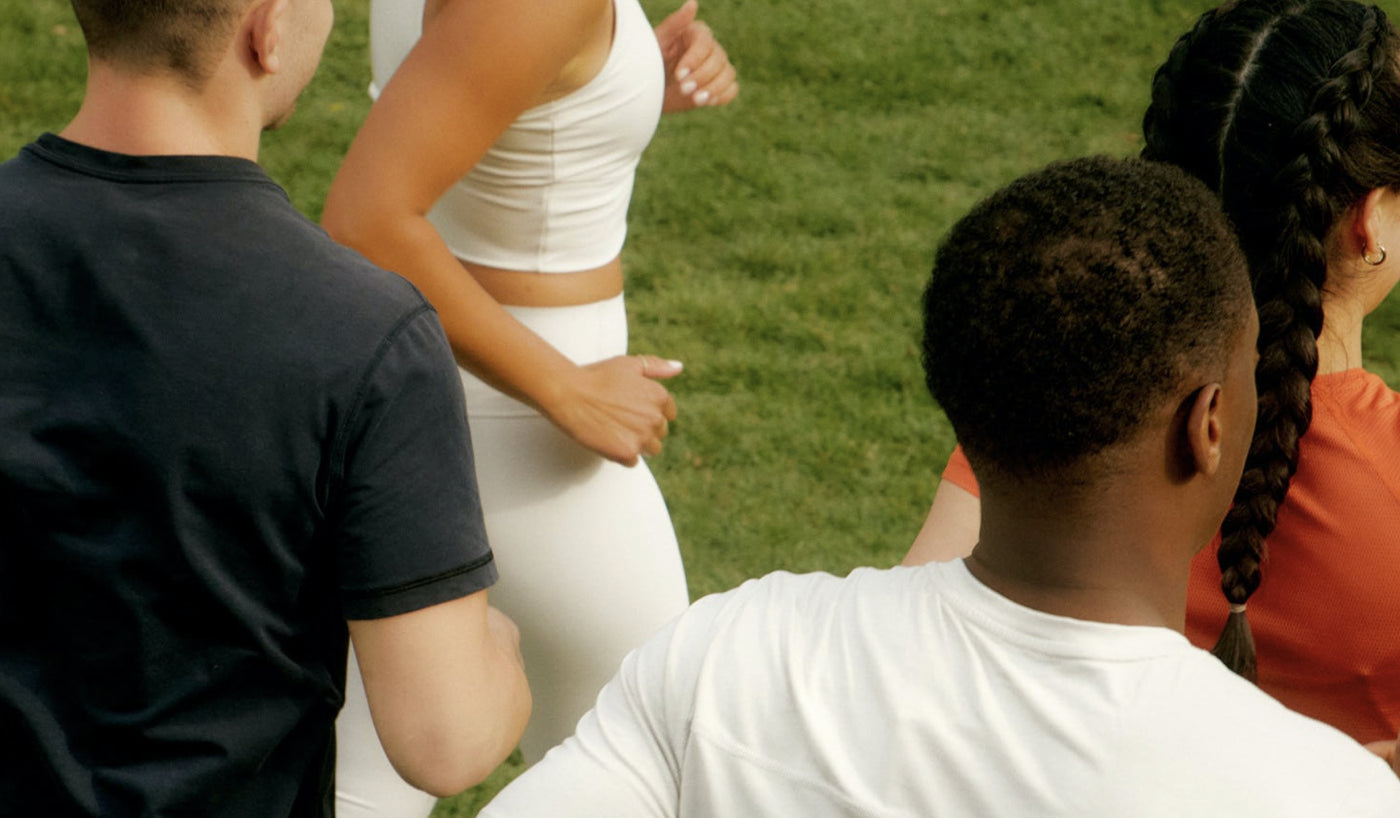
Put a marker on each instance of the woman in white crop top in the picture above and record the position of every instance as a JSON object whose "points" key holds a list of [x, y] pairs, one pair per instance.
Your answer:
{"points": [[495, 172]]}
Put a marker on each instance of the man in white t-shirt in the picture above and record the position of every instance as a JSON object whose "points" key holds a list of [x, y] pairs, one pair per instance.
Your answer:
{"points": [[1089, 332]]}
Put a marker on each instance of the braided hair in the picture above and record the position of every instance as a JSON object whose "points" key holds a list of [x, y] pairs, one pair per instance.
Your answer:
{"points": [[1290, 110]]}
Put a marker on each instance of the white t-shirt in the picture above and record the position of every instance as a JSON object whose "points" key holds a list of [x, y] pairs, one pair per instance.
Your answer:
{"points": [[921, 692]]}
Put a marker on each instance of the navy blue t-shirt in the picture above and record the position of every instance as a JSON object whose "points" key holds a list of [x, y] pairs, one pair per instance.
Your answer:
{"points": [[221, 436]]}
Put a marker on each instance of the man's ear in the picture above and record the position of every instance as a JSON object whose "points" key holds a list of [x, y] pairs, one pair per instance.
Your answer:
{"points": [[1203, 432], [264, 27]]}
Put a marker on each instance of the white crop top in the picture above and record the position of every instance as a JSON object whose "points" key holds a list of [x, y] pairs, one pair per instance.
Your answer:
{"points": [[551, 194]]}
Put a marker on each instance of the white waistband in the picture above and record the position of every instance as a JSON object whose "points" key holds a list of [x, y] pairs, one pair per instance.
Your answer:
{"points": [[585, 333]]}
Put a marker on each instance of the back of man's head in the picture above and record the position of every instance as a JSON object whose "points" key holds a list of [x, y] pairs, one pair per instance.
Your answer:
{"points": [[1064, 309], [180, 36]]}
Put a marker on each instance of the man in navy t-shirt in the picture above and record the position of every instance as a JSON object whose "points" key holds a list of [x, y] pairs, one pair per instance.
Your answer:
{"points": [[222, 437]]}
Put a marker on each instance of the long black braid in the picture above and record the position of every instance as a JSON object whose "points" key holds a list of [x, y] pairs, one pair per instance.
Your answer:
{"points": [[1288, 109]]}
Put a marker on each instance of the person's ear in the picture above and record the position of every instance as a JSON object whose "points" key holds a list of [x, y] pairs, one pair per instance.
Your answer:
{"points": [[264, 26], [1204, 435], [1366, 224]]}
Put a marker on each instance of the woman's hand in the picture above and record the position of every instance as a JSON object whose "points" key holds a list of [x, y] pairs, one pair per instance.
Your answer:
{"points": [[698, 71], [616, 408]]}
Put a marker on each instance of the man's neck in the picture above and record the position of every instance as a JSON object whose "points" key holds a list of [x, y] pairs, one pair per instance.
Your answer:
{"points": [[1120, 563], [158, 115]]}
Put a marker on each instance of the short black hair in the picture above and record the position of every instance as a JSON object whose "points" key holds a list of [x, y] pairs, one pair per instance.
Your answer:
{"points": [[182, 36], [1063, 309]]}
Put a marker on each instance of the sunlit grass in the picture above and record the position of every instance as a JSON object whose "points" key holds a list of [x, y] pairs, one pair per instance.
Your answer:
{"points": [[779, 246]]}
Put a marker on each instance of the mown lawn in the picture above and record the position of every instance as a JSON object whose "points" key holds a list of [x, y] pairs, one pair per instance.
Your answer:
{"points": [[778, 246]]}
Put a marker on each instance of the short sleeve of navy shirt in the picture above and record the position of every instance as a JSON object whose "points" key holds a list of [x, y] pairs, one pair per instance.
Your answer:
{"points": [[406, 441]]}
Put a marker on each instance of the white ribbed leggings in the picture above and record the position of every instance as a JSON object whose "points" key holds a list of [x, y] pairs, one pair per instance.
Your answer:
{"points": [[588, 561]]}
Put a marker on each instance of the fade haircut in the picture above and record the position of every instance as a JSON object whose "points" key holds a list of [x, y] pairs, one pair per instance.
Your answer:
{"points": [[181, 36], [1290, 110], [1066, 308]]}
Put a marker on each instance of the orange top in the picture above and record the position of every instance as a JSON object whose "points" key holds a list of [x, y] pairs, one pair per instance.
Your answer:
{"points": [[959, 472], [1326, 617]]}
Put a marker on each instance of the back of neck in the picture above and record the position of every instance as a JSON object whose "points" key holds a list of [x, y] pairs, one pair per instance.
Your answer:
{"points": [[159, 115], [1094, 559]]}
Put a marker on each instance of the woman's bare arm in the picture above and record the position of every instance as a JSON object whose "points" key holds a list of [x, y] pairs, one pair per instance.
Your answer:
{"points": [[951, 528], [478, 66]]}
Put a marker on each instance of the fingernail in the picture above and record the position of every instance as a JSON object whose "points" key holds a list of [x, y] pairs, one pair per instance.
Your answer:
{"points": [[682, 73], [676, 364], [687, 86], [701, 97]]}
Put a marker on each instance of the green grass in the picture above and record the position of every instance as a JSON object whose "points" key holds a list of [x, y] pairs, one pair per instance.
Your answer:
{"points": [[779, 246]]}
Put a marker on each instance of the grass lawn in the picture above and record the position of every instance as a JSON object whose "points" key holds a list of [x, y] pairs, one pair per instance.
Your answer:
{"points": [[779, 246]]}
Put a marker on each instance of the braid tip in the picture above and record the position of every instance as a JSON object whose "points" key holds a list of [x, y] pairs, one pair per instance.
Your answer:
{"points": [[1235, 647]]}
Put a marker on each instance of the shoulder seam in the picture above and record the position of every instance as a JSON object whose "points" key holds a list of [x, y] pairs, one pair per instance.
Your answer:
{"points": [[342, 442]]}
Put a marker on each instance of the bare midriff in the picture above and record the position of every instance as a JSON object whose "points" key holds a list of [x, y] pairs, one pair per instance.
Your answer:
{"points": [[523, 289]]}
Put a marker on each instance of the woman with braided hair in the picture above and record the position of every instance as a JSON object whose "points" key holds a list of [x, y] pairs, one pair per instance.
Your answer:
{"points": [[1304, 149], [1290, 111]]}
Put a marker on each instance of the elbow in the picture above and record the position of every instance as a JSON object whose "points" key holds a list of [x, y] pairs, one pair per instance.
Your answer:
{"points": [[443, 762], [361, 220], [344, 222], [444, 780], [444, 772], [379, 232]]}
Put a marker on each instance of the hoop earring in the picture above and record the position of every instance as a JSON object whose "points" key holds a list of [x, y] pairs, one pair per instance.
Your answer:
{"points": [[1366, 257]]}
